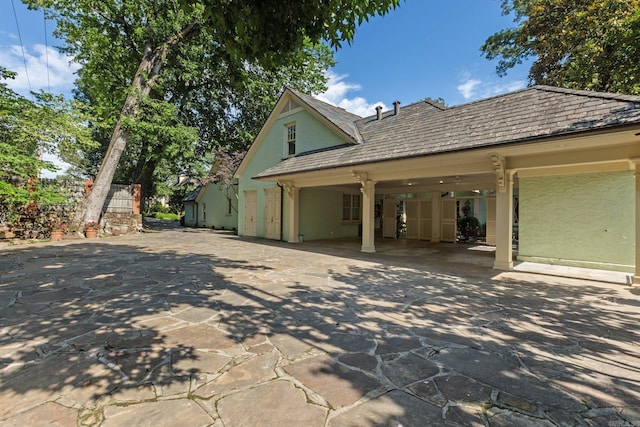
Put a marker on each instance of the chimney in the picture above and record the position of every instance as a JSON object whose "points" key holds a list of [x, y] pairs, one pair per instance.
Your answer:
{"points": [[396, 108], [379, 112]]}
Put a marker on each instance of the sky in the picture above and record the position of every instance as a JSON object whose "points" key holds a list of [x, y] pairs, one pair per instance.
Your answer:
{"points": [[424, 48]]}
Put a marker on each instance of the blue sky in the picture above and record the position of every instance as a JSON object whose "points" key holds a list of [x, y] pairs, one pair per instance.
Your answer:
{"points": [[425, 48]]}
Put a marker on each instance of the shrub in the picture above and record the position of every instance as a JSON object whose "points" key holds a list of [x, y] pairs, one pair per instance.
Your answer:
{"points": [[468, 227], [166, 216]]}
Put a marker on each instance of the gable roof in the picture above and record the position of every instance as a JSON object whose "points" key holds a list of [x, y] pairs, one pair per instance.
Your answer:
{"points": [[424, 128], [342, 121], [193, 195], [340, 117]]}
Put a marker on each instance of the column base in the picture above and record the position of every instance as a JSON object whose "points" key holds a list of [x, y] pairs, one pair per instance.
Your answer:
{"points": [[636, 280], [368, 249], [501, 265]]}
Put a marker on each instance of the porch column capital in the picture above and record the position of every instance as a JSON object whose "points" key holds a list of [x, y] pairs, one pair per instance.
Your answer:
{"points": [[289, 187], [367, 188], [499, 164], [359, 176]]}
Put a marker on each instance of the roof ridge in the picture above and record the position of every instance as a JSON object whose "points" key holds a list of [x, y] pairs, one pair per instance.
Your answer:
{"points": [[588, 93], [436, 105], [334, 107], [344, 120]]}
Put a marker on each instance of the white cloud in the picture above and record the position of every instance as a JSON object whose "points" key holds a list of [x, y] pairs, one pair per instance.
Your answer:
{"points": [[337, 91], [57, 162], [473, 88], [58, 75], [467, 88], [497, 89]]}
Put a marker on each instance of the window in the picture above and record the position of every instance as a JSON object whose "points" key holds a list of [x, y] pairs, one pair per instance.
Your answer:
{"points": [[351, 207], [290, 139], [204, 211], [229, 206]]}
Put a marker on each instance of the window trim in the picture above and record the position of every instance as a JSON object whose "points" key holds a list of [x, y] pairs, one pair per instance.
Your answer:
{"points": [[288, 143], [355, 209]]}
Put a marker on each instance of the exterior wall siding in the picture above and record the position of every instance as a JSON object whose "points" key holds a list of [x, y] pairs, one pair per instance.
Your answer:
{"points": [[585, 220], [321, 215], [310, 135], [189, 214], [215, 202]]}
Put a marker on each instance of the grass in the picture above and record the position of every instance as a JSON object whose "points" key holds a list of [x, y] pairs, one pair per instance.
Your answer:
{"points": [[166, 216]]}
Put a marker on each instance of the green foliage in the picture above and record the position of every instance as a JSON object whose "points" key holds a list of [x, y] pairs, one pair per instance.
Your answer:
{"points": [[582, 44], [264, 30], [215, 89], [221, 63], [27, 130], [439, 100], [166, 216], [468, 227]]}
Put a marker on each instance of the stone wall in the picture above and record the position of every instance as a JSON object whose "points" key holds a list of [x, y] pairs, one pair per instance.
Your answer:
{"points": [[122, 222], [36, 221]]}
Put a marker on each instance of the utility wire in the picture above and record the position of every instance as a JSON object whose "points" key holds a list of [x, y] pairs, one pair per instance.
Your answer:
{"points": [[46, 49], [24, 58]]}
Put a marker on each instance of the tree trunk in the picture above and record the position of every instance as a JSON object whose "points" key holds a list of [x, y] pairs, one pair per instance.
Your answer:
{"points": [[146, 179], [90, 208]]}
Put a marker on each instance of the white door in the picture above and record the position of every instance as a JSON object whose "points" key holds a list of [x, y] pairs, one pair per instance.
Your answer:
{"points": [[389, 218], [413, 218], [425, 220], [491, 220], [272, 213], [250, 212], [449, 226]]}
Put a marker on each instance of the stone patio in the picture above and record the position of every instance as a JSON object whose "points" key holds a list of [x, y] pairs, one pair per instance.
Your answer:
{"points": [[202, 328]]}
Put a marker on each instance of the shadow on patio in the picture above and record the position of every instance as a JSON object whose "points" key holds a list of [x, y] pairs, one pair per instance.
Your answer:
{"points": [[108, 329]]}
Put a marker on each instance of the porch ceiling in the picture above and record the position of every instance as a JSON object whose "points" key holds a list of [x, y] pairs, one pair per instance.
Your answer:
{"points": [[485, 181]]}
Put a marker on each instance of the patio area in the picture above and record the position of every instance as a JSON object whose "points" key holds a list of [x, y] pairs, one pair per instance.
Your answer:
{"points": [[202, 327]]}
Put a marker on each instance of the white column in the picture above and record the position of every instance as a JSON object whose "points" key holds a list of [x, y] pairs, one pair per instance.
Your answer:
{"points": [[436, 216], [293, 194], [504, 224], [368, 189], [636, 276]]}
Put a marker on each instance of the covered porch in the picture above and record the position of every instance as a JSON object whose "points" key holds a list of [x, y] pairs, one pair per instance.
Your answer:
{"points": [[429, 188], [496, 175]]}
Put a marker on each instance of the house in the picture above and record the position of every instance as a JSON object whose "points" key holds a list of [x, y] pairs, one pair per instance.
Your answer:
{"points": [[211, 205], [561, 164]]}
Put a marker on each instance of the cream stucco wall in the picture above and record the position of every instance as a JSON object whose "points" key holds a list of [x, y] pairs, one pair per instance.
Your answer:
{"points": [[585, 220]]}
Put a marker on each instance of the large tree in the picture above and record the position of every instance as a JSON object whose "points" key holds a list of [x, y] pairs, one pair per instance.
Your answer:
{"points": [[580, 44], [270, 33]]}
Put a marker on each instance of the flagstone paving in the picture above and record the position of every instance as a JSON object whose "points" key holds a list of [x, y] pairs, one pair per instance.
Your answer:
{"points": [[201, 328]]}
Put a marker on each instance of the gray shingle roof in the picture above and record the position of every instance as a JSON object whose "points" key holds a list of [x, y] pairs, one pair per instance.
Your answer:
{"points": [[424, 129], [343, 119], [193, 195]]}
